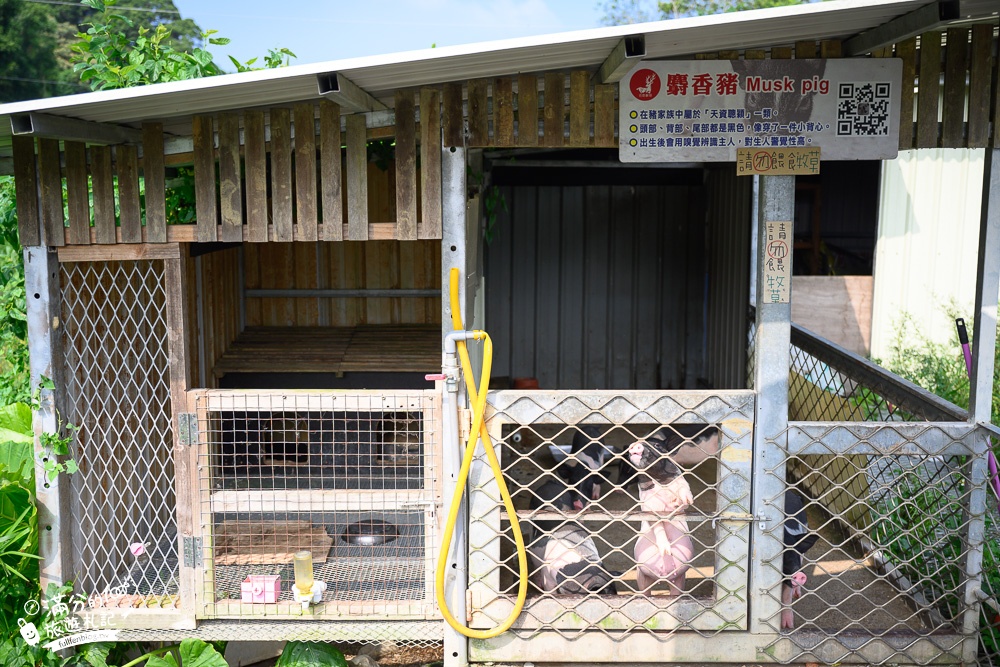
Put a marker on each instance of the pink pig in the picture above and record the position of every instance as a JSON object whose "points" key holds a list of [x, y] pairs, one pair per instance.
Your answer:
{"points": [[664, 549]]}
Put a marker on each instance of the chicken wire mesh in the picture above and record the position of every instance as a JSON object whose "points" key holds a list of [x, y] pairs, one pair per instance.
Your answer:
{"points": [[117, 393], [635, 508], [353, 478]]}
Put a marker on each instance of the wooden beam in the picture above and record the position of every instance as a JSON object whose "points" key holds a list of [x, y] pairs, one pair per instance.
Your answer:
{"points": [[406, 167], [922, 20], [204, 177], [102, 176], [331, 172], [255, 160], [77, 192], [230, 177], [357, 179], [129, 210], [281, 174], [119, 252], [622, 58], [153, 175], [377, 231], [50, 180], [305, 170], [336, 87], [430, 162], [26, 191], [453, 119]]}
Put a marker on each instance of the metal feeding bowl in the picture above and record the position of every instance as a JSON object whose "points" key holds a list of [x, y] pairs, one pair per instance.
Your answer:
{"points": [[370, 533]]}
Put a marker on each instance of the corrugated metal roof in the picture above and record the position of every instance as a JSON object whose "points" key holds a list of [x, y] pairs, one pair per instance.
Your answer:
{"points": [[382, 75]]}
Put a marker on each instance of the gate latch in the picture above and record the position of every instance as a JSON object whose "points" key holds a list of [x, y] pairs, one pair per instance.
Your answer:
{"points": [[741, 517]]}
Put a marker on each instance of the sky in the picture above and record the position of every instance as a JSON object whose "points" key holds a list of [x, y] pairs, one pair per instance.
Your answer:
{"points": [[320, 30]]}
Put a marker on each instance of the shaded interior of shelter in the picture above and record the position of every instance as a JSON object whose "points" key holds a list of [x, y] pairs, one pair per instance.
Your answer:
{"points": [[848, 588]]}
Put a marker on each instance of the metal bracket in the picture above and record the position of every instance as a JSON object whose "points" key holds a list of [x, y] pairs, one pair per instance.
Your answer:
{"points": [[187, 422], [192, 552]]}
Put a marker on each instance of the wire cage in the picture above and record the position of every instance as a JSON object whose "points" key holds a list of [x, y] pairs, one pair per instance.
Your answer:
{"points": [[565, 456], [351, 477], [116, 368]]}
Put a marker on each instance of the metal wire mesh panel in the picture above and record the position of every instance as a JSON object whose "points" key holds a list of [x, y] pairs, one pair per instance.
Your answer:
{"points": [[117, 371], [886, 578], [989, 622], [635, 509], [353, 478]]}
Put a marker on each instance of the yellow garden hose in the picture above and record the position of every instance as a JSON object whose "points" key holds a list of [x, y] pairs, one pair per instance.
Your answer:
{"points": [[478, 430]]}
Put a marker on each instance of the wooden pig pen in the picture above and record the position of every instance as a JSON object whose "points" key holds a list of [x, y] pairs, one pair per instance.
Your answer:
{"points": [[252, 384]]}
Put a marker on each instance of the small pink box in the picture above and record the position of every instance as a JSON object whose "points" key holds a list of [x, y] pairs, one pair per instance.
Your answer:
{"points": [[264, 588]]}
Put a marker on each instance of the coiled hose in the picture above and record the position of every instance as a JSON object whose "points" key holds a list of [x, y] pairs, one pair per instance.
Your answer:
{"points": [[478, 430]]}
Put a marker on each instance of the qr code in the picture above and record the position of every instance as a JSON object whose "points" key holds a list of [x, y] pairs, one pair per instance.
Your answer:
{"points": [[863, 109]]}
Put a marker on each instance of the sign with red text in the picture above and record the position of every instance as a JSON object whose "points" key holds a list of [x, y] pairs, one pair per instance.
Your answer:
{"points": [[706, 110]]}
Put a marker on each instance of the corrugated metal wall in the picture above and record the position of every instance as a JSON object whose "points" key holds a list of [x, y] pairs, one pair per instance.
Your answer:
{"points": [[600, 286], [928, 235], [728, 220]]}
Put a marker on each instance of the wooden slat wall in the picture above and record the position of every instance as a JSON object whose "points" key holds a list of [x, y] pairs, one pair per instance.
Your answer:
{"points": [[343, 265], [214, 319], [285, 200]]}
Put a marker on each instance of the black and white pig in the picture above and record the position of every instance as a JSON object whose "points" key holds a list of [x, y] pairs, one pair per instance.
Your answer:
{"points": [[563, 555], [582, 464], [797, 541]]}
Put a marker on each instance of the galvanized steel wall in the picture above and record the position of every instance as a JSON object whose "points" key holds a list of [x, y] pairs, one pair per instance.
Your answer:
{"points": [[728, 221], [600, 286]]}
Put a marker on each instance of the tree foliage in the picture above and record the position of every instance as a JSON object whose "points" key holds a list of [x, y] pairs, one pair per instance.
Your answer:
{"points": [[28, 65], [623, 12]]}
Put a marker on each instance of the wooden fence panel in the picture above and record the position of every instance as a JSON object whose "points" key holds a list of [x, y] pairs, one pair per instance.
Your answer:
{"points": [[554, 108], [77, 193], [527, 110], [579, 108], [955, 71], [50, 182], [104, 194], [980, 84], [230, 178], [406, 168], [430, 163], [255, 159], [129, 208], [305, 172], [907, 51], [330, 171], [281, 174], [204, 177], [26, 191], [479, 134], [153, 176], [503, 111], [452, 118], [929, 82], [357, 179]]}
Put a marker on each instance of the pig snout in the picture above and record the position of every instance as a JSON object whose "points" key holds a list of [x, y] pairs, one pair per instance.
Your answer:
{"points": [[635, 451]]}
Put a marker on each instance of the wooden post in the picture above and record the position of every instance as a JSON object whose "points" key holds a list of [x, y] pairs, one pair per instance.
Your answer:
{"points": [[281, 174], [331, 171], [256, 170], [204, 177], [128, 194], [44, 297], [305, 171], [50, 180], [230, 178], [430, 163], [185, 452]]}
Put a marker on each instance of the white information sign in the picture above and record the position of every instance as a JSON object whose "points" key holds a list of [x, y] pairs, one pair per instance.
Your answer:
{"points": [[706, 110]]}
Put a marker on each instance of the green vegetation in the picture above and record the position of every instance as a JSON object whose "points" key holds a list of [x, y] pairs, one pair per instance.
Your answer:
{"points": [[623, 12]]}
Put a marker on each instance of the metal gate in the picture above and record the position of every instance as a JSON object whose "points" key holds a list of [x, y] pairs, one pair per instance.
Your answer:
{"points": [[535, 432]]}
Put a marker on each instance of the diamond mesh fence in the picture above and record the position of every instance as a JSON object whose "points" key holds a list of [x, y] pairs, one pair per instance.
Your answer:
{"points": [[117, 388], [352, 478], [886, 477], [635, 509]]}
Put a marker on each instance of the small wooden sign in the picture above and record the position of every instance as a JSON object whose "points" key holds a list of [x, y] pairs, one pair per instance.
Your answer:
{"points": [[778, 262], [796, 161]]}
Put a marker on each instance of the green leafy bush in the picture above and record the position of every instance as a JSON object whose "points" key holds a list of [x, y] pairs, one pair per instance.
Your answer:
{"points": [[14, 383], [310, 654]]}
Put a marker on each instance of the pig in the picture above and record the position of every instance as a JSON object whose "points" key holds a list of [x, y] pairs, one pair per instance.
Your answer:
{"points": [[563, 555], [664, 549], [797, 540]]}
